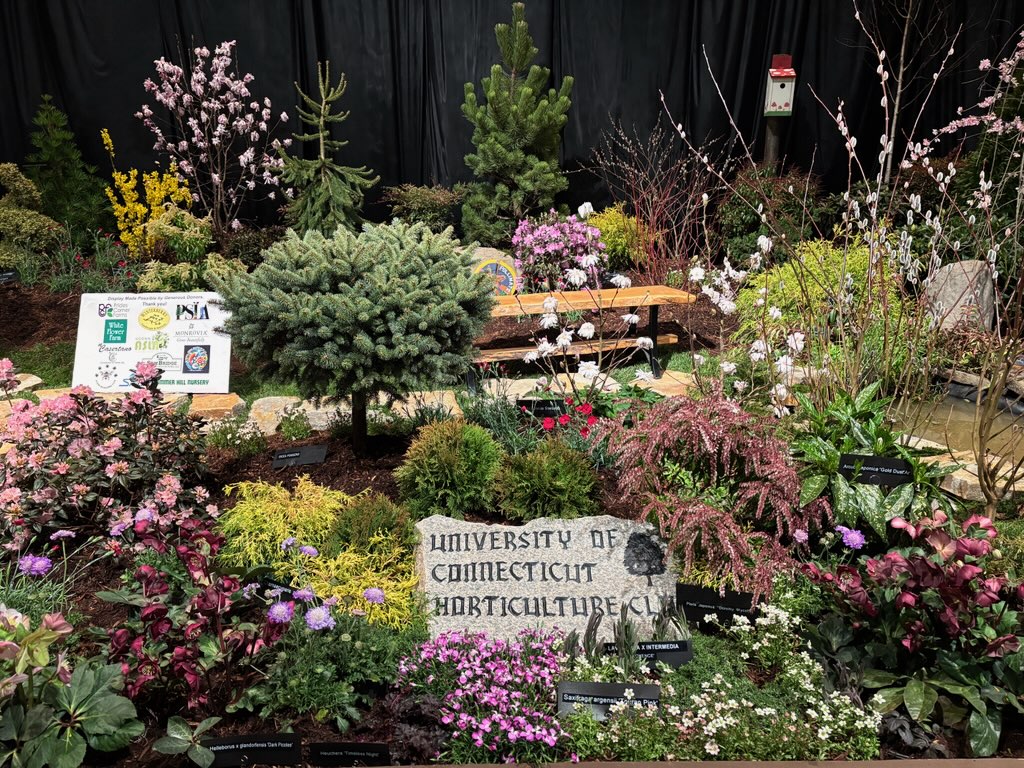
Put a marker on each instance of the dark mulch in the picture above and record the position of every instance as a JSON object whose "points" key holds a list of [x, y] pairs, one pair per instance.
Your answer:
{"points": [[342, 470], [30, 316]]}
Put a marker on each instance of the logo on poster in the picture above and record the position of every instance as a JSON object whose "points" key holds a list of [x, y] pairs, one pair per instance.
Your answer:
{"points": [[151, 343], [192, 312], [154, 318], [106, 375], [196, 359], [115, 331], [105, 310]]}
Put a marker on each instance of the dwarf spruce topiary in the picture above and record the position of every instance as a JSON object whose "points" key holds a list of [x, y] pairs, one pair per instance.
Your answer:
{"points": [[391, 310], [516, 133]]}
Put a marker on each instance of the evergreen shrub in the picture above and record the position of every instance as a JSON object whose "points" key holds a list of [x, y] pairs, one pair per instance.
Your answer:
{"points": [[552, 481], [449, 470], [22, 227], [436, 206], [516, 135], [620, 234], [392, 310]]}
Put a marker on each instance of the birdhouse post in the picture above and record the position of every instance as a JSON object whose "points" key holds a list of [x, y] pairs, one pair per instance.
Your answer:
{"points": [[778, 103]]}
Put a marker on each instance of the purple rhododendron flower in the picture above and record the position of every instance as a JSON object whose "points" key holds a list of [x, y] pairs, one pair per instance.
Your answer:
{"points": [[852, 538], [374, 595], [35, 565], [319, 618]]}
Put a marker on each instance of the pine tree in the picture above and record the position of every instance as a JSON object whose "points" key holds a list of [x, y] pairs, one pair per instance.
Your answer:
{"points": [[327, 195], [391, 310], [516, 134], [71, 192]]}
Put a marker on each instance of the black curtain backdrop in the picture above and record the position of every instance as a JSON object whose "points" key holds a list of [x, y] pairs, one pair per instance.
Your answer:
{"points": [[407, 62]]}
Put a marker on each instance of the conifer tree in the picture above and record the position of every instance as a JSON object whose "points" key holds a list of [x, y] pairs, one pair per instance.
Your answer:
{"points": [[516, 133], [71, 192], [327, 195], [391, 310]]}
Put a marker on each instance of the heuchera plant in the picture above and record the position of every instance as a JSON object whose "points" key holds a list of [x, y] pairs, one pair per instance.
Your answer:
{"points": [[219, 134], [496, 695], [549, 248], [126, 468], [937, 630]]}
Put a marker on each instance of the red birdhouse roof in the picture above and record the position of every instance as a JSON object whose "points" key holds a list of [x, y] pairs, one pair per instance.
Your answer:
{"points": [[782, 66]]}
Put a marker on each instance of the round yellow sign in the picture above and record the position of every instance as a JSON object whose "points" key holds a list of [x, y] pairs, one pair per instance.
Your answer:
{"points": [[154, 318], [503, 272]]}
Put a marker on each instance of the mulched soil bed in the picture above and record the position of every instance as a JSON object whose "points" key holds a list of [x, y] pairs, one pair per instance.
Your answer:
{"points": [[30, 316]]}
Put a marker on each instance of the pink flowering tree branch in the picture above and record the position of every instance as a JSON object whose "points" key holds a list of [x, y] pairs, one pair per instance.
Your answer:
{"points": [[218, 134]]}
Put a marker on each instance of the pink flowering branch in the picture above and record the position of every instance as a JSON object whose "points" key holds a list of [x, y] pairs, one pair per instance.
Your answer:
{"points": [[218, 134]]}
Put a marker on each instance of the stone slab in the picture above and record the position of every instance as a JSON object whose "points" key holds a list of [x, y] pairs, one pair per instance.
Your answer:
{"points": [[548, 573], [213, 407], [671, 384], [26, 382], [267, 412], [443, 399], [962, 292]]}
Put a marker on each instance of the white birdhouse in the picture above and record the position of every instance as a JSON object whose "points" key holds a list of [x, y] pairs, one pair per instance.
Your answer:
{"points": [[781, 89]]}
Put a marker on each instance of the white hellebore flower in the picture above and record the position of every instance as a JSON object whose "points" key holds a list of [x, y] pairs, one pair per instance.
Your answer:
{"points": [[551, 304], [548, 321], [727, 368], [575, 277], [589, 370], [697, 274], [774, 313], [585, 210], [795, 341], [586, 331], [621, 281], [564, 340], [642, 375], [644, 342], [631, 319]]}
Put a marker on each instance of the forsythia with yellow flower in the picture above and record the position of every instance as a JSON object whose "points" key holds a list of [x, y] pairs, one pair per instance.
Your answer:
{"points": [[131, 213]]}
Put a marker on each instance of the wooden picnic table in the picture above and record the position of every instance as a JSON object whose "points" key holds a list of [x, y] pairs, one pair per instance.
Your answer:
{"points": [[633, 298]]}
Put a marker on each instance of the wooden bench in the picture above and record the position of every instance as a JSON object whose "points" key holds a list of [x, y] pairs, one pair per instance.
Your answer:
{"points": [[632, 299]]}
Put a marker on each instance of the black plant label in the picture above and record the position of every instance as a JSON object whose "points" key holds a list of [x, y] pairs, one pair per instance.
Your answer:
{"points": [[255, 749], [292, 457], [349, 753], [875, 470]]}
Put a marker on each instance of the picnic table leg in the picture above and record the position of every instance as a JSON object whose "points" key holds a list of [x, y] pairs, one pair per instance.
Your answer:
{"points": [[652, 332]]}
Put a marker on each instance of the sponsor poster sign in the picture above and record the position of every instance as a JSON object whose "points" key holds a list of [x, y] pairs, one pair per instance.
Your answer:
{"points": [[175, 331]]}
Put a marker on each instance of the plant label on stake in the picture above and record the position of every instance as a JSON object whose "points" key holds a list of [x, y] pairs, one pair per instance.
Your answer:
{"points": [[292, 457], [349, 753], [875, 470], [255, 749]]}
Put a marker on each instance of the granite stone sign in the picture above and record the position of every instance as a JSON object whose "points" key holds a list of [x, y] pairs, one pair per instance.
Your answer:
{"points": [[548, 573]]}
